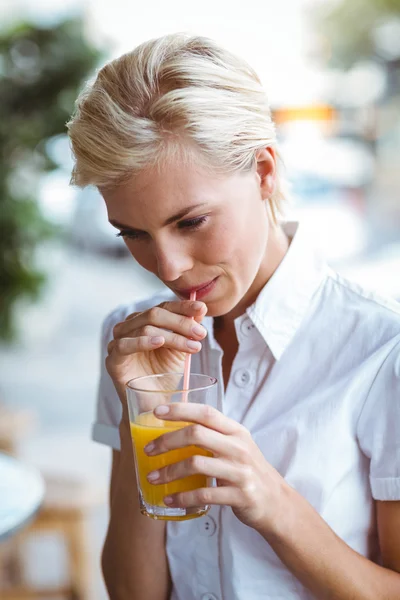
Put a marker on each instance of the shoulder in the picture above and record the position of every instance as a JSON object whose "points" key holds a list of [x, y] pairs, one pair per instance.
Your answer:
{"points": [[121, 312]]}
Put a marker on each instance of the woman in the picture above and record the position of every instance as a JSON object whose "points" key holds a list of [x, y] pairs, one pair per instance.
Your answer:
{"points": [[178, 138]]}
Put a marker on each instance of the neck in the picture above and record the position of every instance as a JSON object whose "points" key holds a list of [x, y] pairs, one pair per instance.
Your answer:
{"points": [[277, 246]]}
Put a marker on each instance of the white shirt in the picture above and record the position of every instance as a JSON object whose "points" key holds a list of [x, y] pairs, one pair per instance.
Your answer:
{"points": [[316, 380]]}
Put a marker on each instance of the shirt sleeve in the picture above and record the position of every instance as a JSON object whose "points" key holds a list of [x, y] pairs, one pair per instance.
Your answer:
{"points": [[109, 410], [378, 429]]}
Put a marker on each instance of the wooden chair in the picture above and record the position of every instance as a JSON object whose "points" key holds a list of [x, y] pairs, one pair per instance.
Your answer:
{"points": [[67, 504], [15, 425]]}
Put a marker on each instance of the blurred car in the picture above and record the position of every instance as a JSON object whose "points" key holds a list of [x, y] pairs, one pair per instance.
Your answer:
{"points": [[89, 227], [379, 272], [333, 215], [328, 177], [342, 161]]}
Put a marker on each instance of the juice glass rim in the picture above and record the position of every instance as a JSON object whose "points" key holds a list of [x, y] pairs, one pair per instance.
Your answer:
{"points": [[130, 383]]}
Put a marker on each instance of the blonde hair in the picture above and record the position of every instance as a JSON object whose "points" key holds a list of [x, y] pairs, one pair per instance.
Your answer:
{"points": [[167, 97]]}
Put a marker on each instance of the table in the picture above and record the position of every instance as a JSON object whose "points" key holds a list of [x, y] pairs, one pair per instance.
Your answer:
{"points": [[21, 494]]}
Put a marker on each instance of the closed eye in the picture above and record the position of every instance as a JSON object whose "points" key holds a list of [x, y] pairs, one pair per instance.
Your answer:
{"points": [[131, 234], [188, 224], [192, 224]]}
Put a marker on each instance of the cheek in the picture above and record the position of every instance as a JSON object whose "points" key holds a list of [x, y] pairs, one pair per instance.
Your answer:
{"points": [[235, 240], [143, 254], [217, 247]]}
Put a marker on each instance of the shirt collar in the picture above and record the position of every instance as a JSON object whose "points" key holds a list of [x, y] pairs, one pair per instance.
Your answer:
{"points": [[283, 301]]}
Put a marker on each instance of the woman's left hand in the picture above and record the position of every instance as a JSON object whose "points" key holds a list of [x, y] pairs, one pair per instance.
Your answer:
{"points": [[245, 480]]}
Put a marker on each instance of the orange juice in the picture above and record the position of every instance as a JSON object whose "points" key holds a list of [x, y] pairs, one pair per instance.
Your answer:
{"points": [[146, 429]]}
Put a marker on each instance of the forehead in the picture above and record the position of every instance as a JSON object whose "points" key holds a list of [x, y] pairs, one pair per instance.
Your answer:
{"points": [[154, 194]]}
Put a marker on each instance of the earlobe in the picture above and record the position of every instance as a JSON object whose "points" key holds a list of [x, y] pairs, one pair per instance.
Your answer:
{"points": [[267, 185], [270, 183], [266, 172]]}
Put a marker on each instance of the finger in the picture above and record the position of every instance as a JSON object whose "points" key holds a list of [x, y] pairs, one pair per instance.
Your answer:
{"points": [[203, 414], [190, 308], [126, 346], [173, 316], [160, 322], [198, 465], [172, 339], [229, 496], [200, 436], [152, 339], [131, 316]]}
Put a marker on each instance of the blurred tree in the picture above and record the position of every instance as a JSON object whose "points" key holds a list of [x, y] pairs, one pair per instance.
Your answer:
{"points": [[41, 71], [351, 28]]}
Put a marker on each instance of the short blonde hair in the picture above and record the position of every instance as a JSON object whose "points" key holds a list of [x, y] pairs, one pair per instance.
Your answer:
{"points": [[170, 95]]}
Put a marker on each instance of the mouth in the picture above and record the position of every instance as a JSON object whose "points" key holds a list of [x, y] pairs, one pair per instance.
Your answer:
{"points": [[201, 290]]}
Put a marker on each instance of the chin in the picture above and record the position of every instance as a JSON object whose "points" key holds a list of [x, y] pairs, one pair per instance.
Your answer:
{"points": [[219, 308]]}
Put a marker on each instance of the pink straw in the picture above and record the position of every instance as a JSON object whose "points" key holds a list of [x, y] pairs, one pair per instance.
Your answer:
{"points": [[188, 359]]}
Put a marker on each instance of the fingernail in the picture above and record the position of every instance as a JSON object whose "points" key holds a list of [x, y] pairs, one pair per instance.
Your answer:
{"points": [[158, 339], [197, 305], [198, 330], [168, 500], [153, 475], [149, 448], [193, 345], [163, 409]]}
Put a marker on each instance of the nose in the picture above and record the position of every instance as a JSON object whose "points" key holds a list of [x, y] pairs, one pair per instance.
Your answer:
{"points": [[173, 259]]}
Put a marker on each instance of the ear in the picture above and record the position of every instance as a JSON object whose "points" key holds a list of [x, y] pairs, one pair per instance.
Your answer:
{"points": [[266, 171]]}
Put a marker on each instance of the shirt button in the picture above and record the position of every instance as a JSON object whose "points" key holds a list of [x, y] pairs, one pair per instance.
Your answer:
{"points": [[206, 526], [209, 597], [242, 377], [246, 326]]}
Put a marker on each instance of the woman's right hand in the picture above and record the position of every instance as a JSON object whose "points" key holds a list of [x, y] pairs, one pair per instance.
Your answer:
{"points": [[155, 341]]}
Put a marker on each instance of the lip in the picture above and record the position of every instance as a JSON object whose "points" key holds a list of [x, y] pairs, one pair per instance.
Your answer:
{"points": [[201, 290]]}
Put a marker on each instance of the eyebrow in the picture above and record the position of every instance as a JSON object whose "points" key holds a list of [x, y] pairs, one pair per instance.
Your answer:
{"points": [[173, 219]]}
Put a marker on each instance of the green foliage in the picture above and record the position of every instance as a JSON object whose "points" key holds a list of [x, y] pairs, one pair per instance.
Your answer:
{"points": [[41, 71], [349, 27]]}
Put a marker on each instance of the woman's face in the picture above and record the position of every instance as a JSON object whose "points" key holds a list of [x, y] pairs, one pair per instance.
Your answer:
{"points": [[196, 230]]}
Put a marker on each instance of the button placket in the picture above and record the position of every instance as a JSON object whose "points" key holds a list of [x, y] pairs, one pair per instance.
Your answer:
{"points": [[243, 377], [246, 327], [207, 526]]}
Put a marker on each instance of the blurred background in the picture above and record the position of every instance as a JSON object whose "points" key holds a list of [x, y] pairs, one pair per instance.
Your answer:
{"points": [[331, 69]]}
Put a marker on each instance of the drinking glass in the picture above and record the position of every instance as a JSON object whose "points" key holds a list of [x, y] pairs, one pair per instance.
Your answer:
{"points": [[143, 395]]}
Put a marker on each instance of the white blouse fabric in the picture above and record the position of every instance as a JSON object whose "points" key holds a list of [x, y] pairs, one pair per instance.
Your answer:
{"points": [[316, 380]]}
